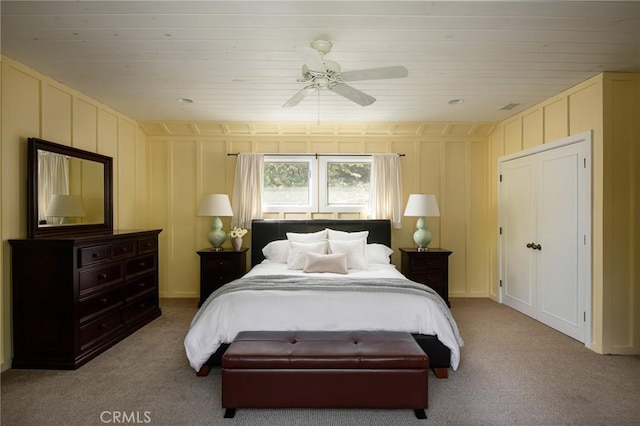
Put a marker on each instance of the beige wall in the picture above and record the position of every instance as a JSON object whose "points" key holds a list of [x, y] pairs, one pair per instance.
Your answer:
{"points": [[35, 106], [187, 160], [608, 105]]}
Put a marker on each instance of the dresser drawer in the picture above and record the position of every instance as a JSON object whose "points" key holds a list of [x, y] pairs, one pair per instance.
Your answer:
{"points": [[140, 307], [99, 277], [99, 329], [147, 245], [139, 286], [140, 264], [125, 249], [420, 264], [90, 255], [100, 303]]}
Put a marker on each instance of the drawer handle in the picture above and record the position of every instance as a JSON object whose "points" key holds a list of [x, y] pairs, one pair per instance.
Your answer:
{"points": [[103, 326], [95, 255], [142, 264], [104, 300], [102, 276], [142, 285], [124, 249], [142, 305], [148, 245]]}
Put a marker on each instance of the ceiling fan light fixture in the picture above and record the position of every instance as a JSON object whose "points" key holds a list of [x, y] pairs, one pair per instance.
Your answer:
{"points": [[184, 101], [456, 101]]}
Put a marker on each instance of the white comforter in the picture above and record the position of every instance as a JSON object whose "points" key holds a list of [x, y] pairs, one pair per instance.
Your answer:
{"points": [[220, 319]]}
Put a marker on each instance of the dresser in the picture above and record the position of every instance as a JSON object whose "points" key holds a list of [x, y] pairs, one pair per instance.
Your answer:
{"points": [[218, 268], [430, 267], [75, 297]]}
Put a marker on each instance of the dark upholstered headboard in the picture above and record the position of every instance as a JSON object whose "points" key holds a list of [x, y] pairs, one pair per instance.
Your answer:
{"points": [[265, 231]]}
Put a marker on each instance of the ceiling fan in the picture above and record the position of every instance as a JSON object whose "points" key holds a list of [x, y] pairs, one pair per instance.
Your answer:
{"points": [[322, 73]]}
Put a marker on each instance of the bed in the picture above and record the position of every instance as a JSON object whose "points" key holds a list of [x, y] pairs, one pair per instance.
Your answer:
{"points": [[271, 296]]}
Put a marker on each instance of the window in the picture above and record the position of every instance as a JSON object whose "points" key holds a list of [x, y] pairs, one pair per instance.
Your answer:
{"points": [[302, 183], [289, 184], [344, 183]]}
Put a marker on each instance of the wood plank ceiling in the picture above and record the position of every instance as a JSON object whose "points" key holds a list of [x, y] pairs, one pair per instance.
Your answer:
{"points": [[237, 60]]}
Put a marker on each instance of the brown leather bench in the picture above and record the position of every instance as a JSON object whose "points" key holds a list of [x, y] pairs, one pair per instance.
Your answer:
{"points": [[324, 369]]}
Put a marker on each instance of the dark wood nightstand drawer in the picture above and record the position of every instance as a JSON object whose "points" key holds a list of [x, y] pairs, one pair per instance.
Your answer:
{"points": [[422, 263], [221, 263], [91, 255]]}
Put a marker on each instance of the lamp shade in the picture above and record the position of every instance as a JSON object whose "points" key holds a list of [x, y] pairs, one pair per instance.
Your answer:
{"points": [[422, 205], [215, 205], [63, 205]]}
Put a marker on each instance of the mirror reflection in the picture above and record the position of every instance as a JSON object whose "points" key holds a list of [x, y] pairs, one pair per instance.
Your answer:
{"points": [[70, 190]]}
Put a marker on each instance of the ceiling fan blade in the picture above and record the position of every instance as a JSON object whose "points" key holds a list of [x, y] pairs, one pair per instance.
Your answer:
{"points": [[298, 97], [397, 71], [353, 94], [312, 59]]}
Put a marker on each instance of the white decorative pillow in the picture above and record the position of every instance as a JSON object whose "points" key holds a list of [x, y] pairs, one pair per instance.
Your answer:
{"points": [[356, 258], [343, 235], [298, 253], [336, 263], [378, 253], [310, 237], [277, 251]]}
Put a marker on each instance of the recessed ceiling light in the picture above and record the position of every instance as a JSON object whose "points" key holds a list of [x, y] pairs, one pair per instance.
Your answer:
{"points": [[455, 101], [184, 100]]}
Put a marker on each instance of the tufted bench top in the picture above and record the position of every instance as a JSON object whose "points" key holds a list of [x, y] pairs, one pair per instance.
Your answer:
{"points": [[325, 350]]}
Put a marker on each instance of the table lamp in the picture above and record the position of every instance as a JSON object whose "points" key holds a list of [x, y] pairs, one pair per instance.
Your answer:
{"points": [[421, 206], [65, 206], [216, 205]]}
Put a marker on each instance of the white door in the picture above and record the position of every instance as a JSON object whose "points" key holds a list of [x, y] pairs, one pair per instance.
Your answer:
{"points": [[559, 204], [518, 227], [545, 217]]}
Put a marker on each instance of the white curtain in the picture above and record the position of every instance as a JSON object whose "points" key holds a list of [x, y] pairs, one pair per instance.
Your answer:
{"points": [[386, 188], [53, 179], [247, 189]]}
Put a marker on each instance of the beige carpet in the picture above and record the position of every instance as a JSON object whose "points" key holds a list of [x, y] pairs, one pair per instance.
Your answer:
{"points": [[514, 370]]}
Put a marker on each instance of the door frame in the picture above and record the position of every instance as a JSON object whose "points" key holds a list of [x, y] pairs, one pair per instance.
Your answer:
{"points": [[585, 255]]}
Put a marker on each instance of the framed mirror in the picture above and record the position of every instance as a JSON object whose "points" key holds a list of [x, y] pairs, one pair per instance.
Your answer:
{"points": [[69, 191]]}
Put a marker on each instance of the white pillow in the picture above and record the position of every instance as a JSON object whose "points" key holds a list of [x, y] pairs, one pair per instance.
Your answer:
{"points": [[356, 258], [298, 252], [276, 251], [336, 263], [310, 237], [343, 235], [378, 253]]}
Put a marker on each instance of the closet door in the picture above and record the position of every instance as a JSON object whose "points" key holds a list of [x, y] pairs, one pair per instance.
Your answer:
{"points": [[560, 296], [545, 206], [518, 229]]}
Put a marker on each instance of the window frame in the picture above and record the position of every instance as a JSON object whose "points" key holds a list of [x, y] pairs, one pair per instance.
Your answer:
{"points": [[310, 207], [323, 191]]}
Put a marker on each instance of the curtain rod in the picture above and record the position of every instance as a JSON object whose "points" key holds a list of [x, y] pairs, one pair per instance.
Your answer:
{"points": [[315, 155]]}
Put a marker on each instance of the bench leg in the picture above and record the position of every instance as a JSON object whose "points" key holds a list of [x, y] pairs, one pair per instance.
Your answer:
{"points": [[229, 413], [420, 413]]}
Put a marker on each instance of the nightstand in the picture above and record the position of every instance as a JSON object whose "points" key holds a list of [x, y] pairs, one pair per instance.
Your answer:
{"points": [[218, 268], [429, 267]]}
